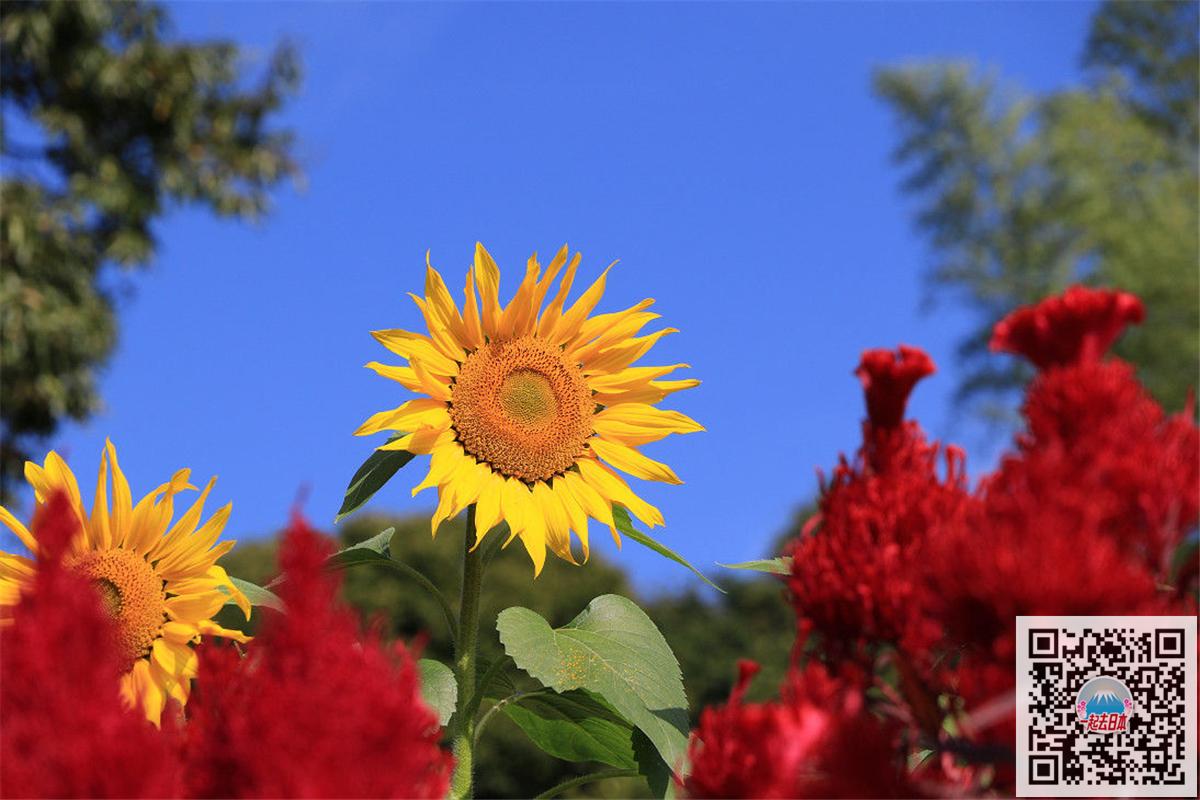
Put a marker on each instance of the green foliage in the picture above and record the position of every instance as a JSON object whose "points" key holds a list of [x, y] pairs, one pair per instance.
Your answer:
{"points": [[438, 688], [771, 566], [377, 470], [613, 649], [574, 726], [707, 632], [257, 595], [107, 123], [1023, 194], [625, 525]]}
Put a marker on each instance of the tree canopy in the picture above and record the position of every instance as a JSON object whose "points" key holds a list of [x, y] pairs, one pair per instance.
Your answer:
{"points": [[1021, 194]]}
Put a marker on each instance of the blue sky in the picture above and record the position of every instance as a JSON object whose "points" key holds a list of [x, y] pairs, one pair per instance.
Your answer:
{"points": [[731, 156]]}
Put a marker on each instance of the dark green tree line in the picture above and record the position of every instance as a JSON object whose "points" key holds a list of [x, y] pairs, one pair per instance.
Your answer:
{"points": [[107, 123]]}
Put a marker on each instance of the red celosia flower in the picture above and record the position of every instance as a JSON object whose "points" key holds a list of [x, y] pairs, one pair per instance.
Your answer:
{"points": [[1081, 520], [855, 572], [64, 729], [819, 740], [888, 379], [1078, 325], [312, 710]]}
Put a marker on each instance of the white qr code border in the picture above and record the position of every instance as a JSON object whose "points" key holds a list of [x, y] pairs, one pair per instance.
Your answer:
{"points": [[1025, 698]]}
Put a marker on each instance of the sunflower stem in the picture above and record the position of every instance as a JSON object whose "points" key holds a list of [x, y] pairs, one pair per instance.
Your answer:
{"points": [[461, 782]]}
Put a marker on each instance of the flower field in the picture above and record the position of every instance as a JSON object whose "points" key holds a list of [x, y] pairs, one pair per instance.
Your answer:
{"points": [[869, 469], [905, 584]]}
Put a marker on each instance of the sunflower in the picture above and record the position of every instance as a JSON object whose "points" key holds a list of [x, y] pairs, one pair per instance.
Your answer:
{"points": [[162, 586], [529, 413]]}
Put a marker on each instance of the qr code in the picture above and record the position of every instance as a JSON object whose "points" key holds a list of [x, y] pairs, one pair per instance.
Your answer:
{"points": [[1106, 706]]}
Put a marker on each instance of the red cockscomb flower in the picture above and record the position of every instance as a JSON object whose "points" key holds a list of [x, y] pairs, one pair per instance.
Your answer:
{"points": [[1081, 520], [65, 731], [819, 740], [1078, 325], [313, 710], [855, 576]]}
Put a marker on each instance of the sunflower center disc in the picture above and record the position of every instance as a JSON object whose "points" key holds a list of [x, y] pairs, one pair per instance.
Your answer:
{"points": [[132, 592], [521, 408], [527, 398]]}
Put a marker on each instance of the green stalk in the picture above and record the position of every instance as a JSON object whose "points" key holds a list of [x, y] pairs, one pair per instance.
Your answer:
{"points": [[461, 782]]}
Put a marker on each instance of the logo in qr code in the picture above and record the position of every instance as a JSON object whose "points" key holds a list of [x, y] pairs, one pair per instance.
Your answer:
{"points": [[1104, 704]]}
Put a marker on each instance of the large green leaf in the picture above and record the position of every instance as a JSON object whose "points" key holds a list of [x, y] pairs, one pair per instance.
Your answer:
{"points": [[439, 690], [377, 470], [575, 726], [774, 566], [625, 525], [377, 548], [651, 766], [614, 650], [257, 595]]}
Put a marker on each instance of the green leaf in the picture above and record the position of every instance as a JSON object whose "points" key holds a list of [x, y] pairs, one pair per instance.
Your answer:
{"points": [[625, 525], [377, 548], [575, 726], [775, 566], [651, 766], [377, 470], [499, 685], [614, 650], [439, 690], [257, 595]]}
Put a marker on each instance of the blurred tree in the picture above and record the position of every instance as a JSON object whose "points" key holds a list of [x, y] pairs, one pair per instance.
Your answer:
{"points": [[708, 635], [1023, 194], [106, 122]]}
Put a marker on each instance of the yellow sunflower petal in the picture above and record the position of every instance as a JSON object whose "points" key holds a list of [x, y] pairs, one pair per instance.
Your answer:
{"points": [[180, 632], [647, 394], [194, 553], [140, 690], [610, 486], [122, 499], [442, 306], [626, 459], [101, 531], [520, 316], [551, 318], [638, 423], [209, 628], [422, 442], [414, 346], [630, 377], [622, 328], [194, 607], [420, 413], [18, 528], [548, 506], [620, 356], [575, 512], [445, 460], [472, 325], [487, 512], [487, 277], [15, 568], [574, 318]]}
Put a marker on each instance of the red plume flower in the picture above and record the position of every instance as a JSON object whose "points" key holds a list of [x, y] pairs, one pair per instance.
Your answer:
{"points": [[313, 710], [854, 577], [818, 741], [1076, 326], [888, 379], [64, 729]]}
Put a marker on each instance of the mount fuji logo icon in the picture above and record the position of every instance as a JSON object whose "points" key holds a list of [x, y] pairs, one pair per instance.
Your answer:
{"points": [[1104, 704]]}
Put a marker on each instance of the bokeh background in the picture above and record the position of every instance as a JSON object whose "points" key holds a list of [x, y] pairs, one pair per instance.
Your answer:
{"points": [[793, 183]]}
